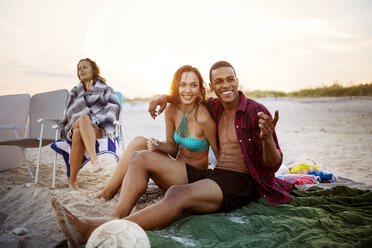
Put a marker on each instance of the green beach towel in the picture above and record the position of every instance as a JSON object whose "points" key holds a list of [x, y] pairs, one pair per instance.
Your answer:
{"points": [[336, 217]]}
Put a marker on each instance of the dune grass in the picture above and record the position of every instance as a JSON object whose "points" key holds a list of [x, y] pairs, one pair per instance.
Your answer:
{"points": [[335, 90], [140, 99], [264, 93]]}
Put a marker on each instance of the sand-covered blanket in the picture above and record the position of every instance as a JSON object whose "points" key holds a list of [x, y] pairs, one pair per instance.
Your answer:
{"points": [[336, 217]]}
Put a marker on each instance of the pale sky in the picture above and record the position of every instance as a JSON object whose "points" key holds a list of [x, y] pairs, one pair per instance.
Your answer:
{"points": [[138, 44]]}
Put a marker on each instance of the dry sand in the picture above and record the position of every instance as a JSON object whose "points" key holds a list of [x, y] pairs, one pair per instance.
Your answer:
{"points": [[335, 132]]}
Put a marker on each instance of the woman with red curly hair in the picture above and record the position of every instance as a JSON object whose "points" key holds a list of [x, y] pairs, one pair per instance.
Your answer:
{"points": [[190, 130]]}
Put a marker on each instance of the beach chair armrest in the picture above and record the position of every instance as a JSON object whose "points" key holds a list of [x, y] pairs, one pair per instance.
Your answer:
{"points": [[12, 126], [120, 122], [48, 120]]}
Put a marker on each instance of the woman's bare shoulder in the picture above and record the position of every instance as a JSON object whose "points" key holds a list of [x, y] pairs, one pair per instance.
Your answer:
{"points": [[171, 110], [203, 114]]}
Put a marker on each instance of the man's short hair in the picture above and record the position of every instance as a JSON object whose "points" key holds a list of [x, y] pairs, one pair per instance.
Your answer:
{"points": [[218, 65]]}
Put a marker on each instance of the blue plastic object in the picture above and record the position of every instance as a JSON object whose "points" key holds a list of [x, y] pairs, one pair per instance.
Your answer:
{"points": [[324, 177]]}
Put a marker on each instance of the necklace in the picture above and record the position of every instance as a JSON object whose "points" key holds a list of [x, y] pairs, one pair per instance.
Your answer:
{"points": [[182, 128]]}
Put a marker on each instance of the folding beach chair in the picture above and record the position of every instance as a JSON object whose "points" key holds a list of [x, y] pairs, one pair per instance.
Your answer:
{"points": [[45, 110], [119, 124], [13, 120], [104, 145], [113, 146]]}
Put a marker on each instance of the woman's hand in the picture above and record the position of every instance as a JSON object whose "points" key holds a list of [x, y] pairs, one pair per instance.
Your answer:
{"points": [[152, 144]]}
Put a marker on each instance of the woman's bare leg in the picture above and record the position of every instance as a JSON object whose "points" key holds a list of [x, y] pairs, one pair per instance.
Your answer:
{"points": [[136, 144], [82, 128], [76, 157], [89, 134], [165, 172]]}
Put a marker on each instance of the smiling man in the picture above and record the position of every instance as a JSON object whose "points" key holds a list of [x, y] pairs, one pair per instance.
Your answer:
{"points": [[246, 136], [249, 156]]}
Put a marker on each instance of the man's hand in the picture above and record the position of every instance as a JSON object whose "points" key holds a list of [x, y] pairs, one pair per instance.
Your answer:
{"points": [[159, 101], [267, 125]]}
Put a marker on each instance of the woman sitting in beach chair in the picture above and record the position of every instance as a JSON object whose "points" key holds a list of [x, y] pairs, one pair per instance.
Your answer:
{"points": [[91, 111], [188, 126]]}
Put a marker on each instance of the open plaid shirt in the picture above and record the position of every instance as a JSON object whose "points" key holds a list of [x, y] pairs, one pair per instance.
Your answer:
{"points": [[275, 190]]}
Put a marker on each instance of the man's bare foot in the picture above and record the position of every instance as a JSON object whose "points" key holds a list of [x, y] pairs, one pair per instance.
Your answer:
{"points": [[73, 185], [69, 224]]}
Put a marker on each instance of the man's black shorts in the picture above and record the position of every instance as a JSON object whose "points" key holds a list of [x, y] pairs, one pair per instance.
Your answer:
{"points": [[238, 189]]}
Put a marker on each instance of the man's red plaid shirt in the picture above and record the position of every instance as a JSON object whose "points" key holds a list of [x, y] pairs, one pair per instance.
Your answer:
{"points": [[275, 190]]}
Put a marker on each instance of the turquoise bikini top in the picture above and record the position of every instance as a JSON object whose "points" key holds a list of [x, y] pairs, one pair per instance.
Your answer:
{"points": [[182, 137]]}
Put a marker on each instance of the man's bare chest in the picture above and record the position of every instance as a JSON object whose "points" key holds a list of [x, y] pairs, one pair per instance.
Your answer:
{"points": [[226, 129]]}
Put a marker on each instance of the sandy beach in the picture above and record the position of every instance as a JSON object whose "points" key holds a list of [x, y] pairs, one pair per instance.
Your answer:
{"points": [[334, 132]]}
